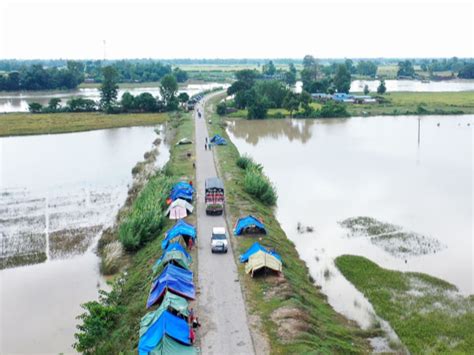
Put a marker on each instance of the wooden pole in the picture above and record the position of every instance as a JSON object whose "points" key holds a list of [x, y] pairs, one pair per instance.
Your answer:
{"points": [[419, 119]]}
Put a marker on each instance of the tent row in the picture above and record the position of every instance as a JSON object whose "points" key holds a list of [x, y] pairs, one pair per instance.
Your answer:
{"points": [[218, 140], [182, 190]]}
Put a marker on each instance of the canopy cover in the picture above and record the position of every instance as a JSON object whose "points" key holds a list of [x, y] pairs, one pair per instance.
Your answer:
{"points": [[170, 346], [246, 222], [175, 279], [217, 139], [166, 325], [175, 256], [180, 228], [180, 203], [256, 247], [183, 190], [260, 260], [175, 302]]}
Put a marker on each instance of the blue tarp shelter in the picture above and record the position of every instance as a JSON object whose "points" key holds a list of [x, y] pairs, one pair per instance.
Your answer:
{"points": [[249, 222], [218, 140], [166, 325], [183, 190], [181, 228], [174, 279], [173, 250], [254, 249]]}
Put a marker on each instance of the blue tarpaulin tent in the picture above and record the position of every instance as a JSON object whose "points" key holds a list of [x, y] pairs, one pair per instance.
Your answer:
{"points": [[255, 248], [173, 248], [167, 325], [217, 139], [249, 222], [175, 279], [182, 190], [180, 228]]}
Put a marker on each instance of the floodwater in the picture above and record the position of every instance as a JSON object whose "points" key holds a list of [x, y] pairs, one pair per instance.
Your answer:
{"points": [[18, 101], [408, 85], [57, 193], [328, 170]]}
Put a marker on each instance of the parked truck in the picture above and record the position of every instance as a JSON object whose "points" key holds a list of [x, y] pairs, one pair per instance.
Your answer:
{"points": [[214, 196]]}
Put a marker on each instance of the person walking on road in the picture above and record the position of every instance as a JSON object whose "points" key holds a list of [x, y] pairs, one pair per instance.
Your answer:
{"points": [[205, 146]]}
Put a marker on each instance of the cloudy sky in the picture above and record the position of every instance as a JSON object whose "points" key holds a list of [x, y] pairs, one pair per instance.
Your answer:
{"points": [[230, 29]]}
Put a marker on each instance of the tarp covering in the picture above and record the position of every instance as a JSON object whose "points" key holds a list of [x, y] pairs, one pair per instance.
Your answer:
{"points": [[261, 259], [170, 346], [248, 222], [182, 190], [256, 247], [174, 279], [174, 256], [176, 246], [180, 228], [170, 300], [178, 209], [167, 324], [184, 141], [217, 139], [181, 203]]}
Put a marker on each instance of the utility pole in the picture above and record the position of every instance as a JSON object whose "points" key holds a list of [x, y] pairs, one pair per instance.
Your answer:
{"points": [[419, 119], [104, 49]]}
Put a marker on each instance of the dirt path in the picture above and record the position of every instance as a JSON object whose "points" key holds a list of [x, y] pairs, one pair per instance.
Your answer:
{"points": [[221, 305]]}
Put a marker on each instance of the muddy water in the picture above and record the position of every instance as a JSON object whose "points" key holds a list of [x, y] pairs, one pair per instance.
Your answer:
{"points": [[18, 101], [328, 170], [57, 193]]}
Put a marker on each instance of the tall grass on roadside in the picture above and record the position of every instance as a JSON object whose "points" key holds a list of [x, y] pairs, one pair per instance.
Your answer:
{"points": [[255, 181], [146, 218]]}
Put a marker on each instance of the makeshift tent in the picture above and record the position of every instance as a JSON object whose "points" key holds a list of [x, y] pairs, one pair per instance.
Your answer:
{"points": [[170, 302], [169, 346], [166, 325], [175, 254], [174, 279], [179, 208], [260, 260], [182, 190], [249, 223], [181, 228], [184, 141], [256, 247], [217, 139]]}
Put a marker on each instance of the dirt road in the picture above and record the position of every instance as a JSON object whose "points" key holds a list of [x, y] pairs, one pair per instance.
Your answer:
{"points": [[221, 307]]}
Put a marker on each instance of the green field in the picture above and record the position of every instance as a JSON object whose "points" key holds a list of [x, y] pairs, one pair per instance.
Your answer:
{"points": [[295, 315], [17, 124], [427, 313]]}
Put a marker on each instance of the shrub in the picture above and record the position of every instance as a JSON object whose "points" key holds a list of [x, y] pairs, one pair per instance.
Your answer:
{"points": [[221, 108], [333, 110], [146, 218], [259, 186], [246, 162]]}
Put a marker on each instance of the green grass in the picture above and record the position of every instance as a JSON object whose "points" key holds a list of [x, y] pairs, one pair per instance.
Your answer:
{"points": [[131, 289], [272, 112], [319, 329], [18, 124], [426, 312]]}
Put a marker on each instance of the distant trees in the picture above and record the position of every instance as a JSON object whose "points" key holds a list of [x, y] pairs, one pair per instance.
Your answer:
{"points": [[381, 89], [290, 75], [367, 68], [269, 69], [366, 89], [309, 74], [109, 88], [405, 69], [467, 71], [291, 102], [180, 75], [342, 79], [168, 90]]}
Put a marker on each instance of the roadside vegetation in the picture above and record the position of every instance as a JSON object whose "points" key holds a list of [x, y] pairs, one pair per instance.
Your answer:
{"points": [[428, 314], [256, 183], [111, 324], [293, 313]]}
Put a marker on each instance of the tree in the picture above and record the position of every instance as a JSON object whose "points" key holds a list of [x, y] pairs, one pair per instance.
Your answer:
{"points": [[342, 79], [145, 102], [168, 90], [273, 91], [290, 75], [366, 89], [405, 68], [367, 68], [381, 89], [467, 71], [306, 100], [35, 107], [269, 68], [350, 66], [181, 75], [109, 88], [127, 102], [258, 109], [53, 104], [221, 108], [291, 102], [183, 97], [309, 73]]}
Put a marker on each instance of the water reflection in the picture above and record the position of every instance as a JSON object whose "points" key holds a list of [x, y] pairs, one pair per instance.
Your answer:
{"points": [[370, 167]]}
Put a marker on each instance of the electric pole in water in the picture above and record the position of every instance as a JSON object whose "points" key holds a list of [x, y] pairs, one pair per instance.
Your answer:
{"points": [[104, 50], [419, 130]]}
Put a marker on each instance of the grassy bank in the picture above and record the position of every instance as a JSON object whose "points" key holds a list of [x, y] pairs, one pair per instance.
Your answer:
{"points": [[293, 313], [112, 325], [18, 124], [427, 313]]}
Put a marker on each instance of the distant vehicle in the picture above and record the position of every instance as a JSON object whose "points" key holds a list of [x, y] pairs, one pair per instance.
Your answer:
{"points": [[218, 240], [214, 196]]}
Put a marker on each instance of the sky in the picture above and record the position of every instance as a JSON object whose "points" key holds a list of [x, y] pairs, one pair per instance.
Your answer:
{"points": [[230, 29]]}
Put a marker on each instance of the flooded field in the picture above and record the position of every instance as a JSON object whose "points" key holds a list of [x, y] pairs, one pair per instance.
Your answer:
{"points": [[18, 101], [367, 188], [57, 193]]}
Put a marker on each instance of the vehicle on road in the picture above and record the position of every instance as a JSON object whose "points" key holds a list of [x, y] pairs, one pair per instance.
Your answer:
{"points": [[214, 196], [218, 240]]}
